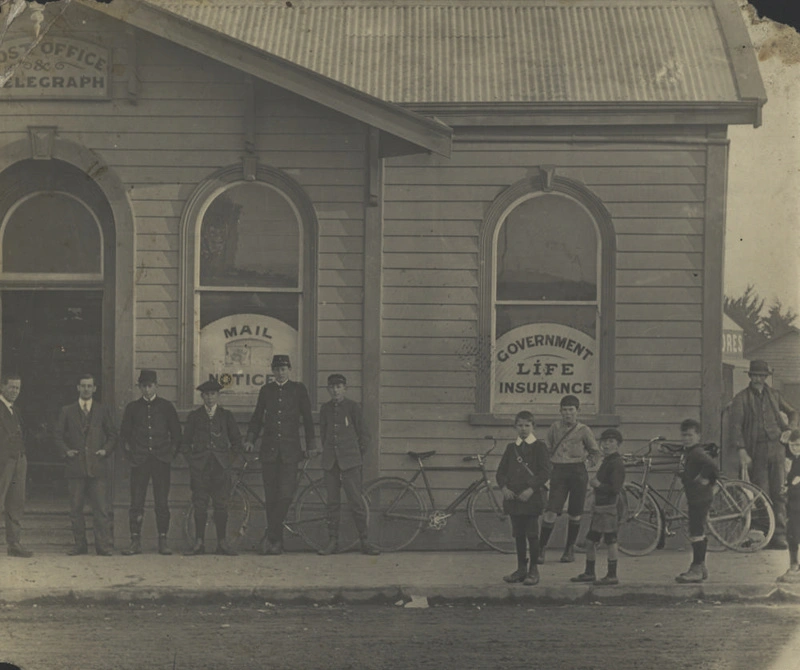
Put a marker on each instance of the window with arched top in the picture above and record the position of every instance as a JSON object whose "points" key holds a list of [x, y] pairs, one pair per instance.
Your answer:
{"points": [[547, 302], [51, 236], [248, 283]]}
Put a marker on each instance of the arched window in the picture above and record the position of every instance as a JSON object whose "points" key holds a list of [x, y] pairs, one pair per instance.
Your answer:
{"points": [[547, 308], [249, 282]]}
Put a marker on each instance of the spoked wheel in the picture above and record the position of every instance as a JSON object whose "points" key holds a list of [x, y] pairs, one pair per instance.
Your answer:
{"points": [[491, 523], [396, 513], [309, 518], [238, 518], [753, 507], [641, 525]]}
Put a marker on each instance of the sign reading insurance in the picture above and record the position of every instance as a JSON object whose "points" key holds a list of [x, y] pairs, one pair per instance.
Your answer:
{"points": [[58, 68], [237, 352], [539, 363]]}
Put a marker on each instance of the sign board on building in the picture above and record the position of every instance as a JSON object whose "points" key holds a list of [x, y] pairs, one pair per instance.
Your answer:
{"points": [[537, 364], [237, 351], [58, 68]]}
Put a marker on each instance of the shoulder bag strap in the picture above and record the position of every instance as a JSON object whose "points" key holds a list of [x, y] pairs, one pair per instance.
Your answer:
{"points": [[563, 437], [522, 462]]}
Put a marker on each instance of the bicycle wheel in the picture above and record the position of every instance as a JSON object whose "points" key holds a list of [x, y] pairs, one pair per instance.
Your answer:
{"points": [[729, 518], [752, 501], [309, 518], [720, 513], [642, 522], [238, 518], [491, 523], [396, 513]]}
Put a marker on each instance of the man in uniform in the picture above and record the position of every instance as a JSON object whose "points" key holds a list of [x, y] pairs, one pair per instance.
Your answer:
{"points": [[86, 434], [282, 405], [151, 435], [13, 464], [756, 426], [211, 443]]}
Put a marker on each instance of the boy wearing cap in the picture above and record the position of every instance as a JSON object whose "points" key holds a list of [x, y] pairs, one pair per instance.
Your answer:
{"points": [[607, 484], [211, 443], [150, 437], [281, 407], [570, 443], [344, 442], [699, 475]]}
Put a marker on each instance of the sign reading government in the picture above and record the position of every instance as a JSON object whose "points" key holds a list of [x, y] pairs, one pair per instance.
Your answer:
{"points": [[237, 352], [537, 364], [58, 68]]}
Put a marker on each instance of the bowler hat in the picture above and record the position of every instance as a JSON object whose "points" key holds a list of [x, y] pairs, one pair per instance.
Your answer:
{"points": [[281, 359], [210, 386], [147, 377], [759, 367], [336, 378], [611, 434]]}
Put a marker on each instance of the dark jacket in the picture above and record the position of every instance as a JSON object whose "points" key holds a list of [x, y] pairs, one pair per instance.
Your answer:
{"points": [[279, 412], [611, 475], [513, 475], [793, 490], [343, 434], [699, 465], [86, 435], [150, 428], [745, 407], [218, 438], [12, 441]]}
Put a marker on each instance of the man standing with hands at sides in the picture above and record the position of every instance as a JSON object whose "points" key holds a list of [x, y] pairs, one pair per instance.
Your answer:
{"points": [[86, 434], [282, 405], [151, 435], [756, 427], [13, 464]]}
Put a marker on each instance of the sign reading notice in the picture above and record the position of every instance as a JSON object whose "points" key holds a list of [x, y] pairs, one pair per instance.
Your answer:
{"points": [[237, 352], [537, 364], [58, 68]]}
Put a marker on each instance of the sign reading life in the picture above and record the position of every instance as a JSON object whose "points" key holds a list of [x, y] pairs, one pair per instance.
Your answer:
{"points": [[58, 68], [537, 364]]}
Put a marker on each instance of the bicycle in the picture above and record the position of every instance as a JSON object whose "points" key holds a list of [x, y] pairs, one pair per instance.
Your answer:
{"points": [[650, 516], [398, 512], [307, 518]]}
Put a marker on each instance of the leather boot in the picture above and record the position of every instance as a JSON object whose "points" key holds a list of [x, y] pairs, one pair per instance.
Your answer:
{"points": [[225, 549], [532, 578], [368, 548], [163, 549], [693, 575], [135, 546], [568, 556], [78, 549], [518, 575], [331, 548], [198, 549]]}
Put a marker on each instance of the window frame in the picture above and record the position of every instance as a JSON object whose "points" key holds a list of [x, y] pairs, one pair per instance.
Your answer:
{"points": [[191, 288], [512, 197]]}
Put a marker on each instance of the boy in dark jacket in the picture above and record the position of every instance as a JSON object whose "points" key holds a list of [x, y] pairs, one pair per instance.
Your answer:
{"points": [[522, 474], [792, 575], [607, 485], [698, 476]]}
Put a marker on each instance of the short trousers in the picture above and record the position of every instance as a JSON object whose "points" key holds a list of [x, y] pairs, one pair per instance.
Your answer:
{"points": [[698, 512], [605, 523], [793, 525], [524, 525], [568, 479]]}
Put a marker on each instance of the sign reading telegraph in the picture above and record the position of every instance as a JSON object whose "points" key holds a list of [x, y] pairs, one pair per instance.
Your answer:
{"points": [[58, 68]]}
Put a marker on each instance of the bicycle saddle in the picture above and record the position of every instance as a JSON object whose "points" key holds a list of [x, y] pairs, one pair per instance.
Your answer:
{"points": [[421, 454]]}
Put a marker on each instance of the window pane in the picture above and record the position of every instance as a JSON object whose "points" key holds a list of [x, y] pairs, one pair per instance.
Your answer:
{"points": [[250, 236], [547, 250], [52, 233], [580, 317]]}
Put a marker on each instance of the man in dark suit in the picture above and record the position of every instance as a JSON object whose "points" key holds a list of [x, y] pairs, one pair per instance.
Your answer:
{"points": [[13, 464], [282, 405], [151, 435], [86, 434], [211, 443]]}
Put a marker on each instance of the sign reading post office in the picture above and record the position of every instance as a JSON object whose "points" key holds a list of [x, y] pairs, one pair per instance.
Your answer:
{"points": [[58, 68]]}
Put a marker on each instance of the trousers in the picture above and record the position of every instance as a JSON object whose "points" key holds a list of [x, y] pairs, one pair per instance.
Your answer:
{"points": [[350, 481], [159, 472], [768, 470], [93, 488], [12, 496], [280, 484]]}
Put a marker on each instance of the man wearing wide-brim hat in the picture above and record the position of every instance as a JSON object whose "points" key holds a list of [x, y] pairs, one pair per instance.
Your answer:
{"points": [[211, 443], [756, 427], [282, 406]]}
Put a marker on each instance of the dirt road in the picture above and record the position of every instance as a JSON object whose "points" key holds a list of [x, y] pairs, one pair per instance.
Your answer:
{"points": [[694, 636]]}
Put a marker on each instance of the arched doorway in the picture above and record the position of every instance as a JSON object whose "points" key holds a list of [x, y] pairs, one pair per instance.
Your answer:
{"points": [[57, 260]]}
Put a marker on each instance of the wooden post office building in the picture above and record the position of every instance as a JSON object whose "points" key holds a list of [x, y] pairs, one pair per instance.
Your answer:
{"points": [[468, 207]]}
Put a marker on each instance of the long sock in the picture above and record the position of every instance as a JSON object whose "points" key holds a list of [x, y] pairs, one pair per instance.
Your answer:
{"points": [[699, 551], [589, 567], [572, 532], [612, 568], [533, 545], [522, 547], [793, 546], [544, 536]]}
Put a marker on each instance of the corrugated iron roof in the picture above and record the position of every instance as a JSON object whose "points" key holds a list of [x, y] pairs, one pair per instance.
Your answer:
{"points": [[492, 50]]}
